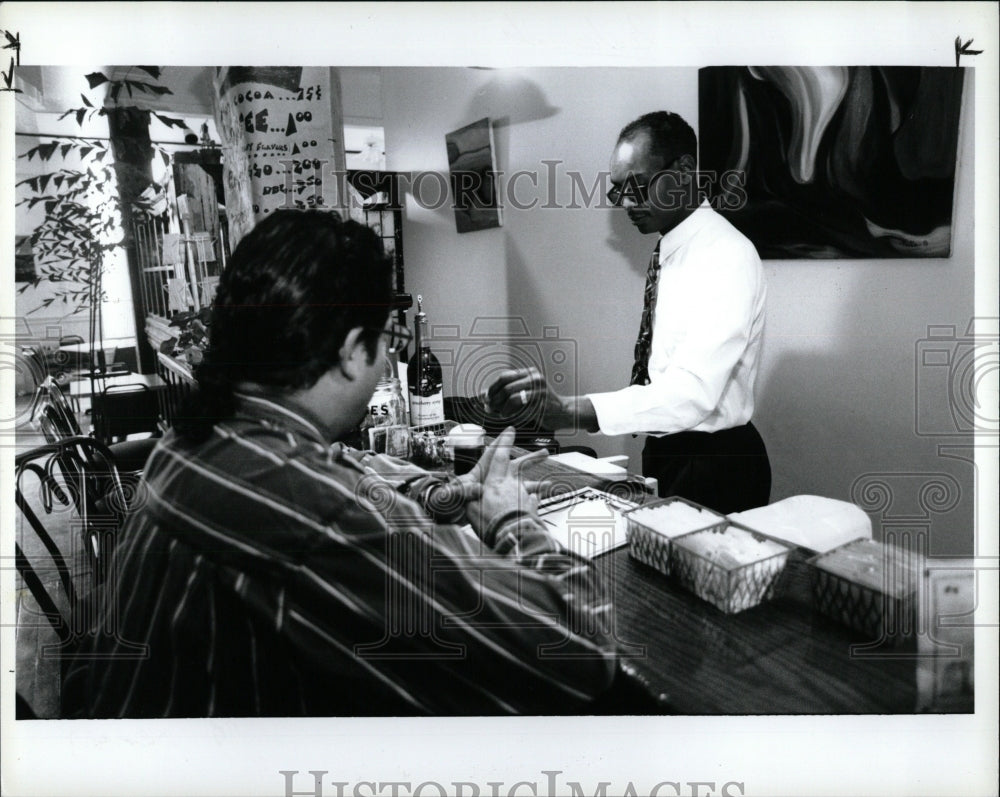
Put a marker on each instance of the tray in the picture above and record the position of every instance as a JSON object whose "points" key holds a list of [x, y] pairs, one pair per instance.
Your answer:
{"points": [[586, 521]]}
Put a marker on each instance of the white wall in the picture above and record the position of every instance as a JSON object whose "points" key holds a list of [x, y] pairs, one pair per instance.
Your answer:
{"points": [[837, 389], [460, 276]]}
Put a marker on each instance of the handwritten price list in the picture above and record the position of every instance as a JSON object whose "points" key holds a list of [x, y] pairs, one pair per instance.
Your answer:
{"points": [[276, 124]]}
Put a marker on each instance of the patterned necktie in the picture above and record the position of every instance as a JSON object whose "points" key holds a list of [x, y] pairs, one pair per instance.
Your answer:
{"points": [[643, 343]]}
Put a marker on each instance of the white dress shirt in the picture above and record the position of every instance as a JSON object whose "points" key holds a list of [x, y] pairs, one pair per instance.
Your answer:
{"points": [[707, 328]]}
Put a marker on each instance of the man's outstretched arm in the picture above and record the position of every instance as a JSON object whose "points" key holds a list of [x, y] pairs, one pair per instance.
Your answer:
{"points": [[515, 390]]}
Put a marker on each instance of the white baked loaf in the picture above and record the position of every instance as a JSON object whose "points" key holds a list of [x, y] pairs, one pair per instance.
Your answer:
{"points": [[808, 521]]}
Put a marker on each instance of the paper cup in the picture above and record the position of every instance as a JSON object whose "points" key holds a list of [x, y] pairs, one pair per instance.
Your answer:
{"points": [[466, 442]]}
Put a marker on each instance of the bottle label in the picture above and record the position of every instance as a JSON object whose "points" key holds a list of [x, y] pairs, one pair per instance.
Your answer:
{"points": [[426, 410]]}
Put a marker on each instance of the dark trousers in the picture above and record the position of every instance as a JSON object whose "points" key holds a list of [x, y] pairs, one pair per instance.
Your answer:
{"points": [[727, 471]]}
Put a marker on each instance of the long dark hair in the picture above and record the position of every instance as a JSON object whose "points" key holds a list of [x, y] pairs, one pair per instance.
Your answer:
{"points": [[295, 286]]}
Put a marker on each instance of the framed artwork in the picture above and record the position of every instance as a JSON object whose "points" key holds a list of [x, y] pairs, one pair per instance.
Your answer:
{"points": [[472, 165], [833, 162]]}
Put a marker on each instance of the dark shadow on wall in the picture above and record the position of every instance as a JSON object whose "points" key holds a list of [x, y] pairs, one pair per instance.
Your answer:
{"points": [[509, 99], [596, 362]]}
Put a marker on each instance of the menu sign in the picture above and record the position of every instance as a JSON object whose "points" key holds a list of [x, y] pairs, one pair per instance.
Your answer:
{"points": [[281, 131]]}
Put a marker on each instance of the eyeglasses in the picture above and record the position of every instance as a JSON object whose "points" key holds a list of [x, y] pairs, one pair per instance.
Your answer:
{"points": [[634, 190], [637, 192], [398, 337]]}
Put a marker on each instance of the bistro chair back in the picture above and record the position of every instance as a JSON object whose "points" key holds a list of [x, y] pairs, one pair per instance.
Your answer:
{"points": [[51, 423], [68, 408], [52, 413], [32, 364], [74, 485], [71, 504]]}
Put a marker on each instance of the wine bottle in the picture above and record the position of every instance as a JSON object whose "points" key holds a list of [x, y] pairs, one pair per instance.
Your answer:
{"points": [[423, 375]]}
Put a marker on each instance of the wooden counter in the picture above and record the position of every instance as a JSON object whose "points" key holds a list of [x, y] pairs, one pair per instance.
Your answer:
{"points": [[780, 657]]}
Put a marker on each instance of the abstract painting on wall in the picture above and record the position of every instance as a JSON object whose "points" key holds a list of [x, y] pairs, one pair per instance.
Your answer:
{"points": [[836, 162]]}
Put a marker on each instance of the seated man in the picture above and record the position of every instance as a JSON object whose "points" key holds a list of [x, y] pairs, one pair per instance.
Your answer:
{"points": [[271, 570]]}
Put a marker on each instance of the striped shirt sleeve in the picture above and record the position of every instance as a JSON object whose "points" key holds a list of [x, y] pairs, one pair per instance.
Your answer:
{"points": [[269, 574]]}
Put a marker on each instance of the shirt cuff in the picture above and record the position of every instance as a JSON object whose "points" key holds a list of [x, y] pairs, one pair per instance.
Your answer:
{"points": [[495, 526], [445, 506], [613, 417]]}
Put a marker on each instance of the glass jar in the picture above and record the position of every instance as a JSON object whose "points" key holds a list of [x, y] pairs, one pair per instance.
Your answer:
{"points": [[384, 429]]}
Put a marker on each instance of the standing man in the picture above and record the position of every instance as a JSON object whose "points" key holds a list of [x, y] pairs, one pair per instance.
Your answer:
{"points": [[698, 348]]}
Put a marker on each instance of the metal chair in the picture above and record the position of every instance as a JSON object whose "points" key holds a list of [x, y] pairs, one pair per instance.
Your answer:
{"points": [[54, 418], [52, 413], [78, 478], [121, 410], [72, 504], [51, 424]]}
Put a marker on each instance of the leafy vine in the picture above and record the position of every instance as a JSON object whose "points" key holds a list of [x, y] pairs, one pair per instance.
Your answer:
{"points": [[82, 206]]}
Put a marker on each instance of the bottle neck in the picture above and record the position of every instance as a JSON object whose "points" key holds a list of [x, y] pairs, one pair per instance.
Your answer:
{"points": [[420, 336]]}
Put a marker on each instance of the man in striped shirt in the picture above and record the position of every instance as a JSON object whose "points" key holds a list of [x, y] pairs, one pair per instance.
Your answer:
{"points": [[272, 570]]}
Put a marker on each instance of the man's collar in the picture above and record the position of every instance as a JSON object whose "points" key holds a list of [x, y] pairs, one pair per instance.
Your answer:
{"points": [[673, 239], [283, 410]]}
